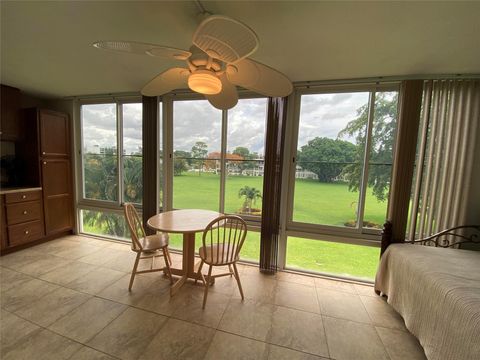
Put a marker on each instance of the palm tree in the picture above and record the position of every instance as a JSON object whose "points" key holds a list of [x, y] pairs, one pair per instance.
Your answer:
{"points": [[251, 195]]}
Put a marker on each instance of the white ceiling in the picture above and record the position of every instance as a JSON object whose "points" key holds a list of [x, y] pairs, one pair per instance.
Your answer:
{"points": [[45, 46]]}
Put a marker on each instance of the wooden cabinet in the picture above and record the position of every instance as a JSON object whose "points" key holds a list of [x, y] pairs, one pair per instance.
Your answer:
{"points": [[55, 170], [22, 221], [45, 211], [57, 194], [54, 134], [10, 124], [47, 157]]}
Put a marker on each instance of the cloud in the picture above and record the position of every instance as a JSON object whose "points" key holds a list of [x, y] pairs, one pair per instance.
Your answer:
{"points": [[196, 120], [325, 115]]}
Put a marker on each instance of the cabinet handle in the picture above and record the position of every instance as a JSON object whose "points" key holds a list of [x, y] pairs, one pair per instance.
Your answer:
{"points": [[24, 212], [44, 163], [43, 153], [27, 232], [24, 196]]}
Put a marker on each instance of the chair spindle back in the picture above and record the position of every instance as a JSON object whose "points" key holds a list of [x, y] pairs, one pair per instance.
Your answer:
{"points": [[135, 226], [224, 238]]}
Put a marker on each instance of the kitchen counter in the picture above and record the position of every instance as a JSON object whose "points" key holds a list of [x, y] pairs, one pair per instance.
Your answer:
{"points": [[18, 189]]}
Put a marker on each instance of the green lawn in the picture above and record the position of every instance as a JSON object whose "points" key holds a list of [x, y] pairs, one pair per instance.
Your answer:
{"points": [[315, 202]]}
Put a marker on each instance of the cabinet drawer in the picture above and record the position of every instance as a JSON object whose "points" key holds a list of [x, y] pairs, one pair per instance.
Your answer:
{"points": [[23, 211], [23, 196], [24, 233]]}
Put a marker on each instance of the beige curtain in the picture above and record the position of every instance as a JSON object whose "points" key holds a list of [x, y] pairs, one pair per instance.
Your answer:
{"points": [[450, 116]]}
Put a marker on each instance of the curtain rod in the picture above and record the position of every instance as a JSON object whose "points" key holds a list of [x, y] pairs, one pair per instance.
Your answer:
{"points": [[385, 79], [299, 84]]}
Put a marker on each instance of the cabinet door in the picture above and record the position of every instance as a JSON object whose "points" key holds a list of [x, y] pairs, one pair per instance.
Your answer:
{"points": [[54, 134], [57, 195], [3, 224], [10, 127]]}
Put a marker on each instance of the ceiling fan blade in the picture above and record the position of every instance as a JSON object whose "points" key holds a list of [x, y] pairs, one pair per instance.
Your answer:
{"points": [[227, 98], [174, 78], [140, 48], [260, 78], [225, 39]]}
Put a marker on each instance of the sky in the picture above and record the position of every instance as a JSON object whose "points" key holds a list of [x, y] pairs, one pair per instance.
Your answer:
{"points": [[197, 120]]}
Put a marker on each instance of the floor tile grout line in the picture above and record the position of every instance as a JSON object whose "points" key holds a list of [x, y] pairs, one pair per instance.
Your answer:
{"points": [[288, 307], [381, 341], [42, 328], [325, 332], [269, 343], [230, 298], [374, 323], [60, 287]]}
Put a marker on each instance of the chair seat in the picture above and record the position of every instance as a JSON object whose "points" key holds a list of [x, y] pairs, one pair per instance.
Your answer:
{"points": [[154, 242], [217, 256]]}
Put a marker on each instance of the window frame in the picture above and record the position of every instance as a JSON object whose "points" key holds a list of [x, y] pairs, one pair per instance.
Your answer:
{"points": [[359, 234], [167, 141], [84, 203]]}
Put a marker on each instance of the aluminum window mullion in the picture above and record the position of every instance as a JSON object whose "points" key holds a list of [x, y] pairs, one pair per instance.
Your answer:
{"points": [[286, 200], [366, 160], [167, 122], [119, 109], [223, 151], [291, 158]]}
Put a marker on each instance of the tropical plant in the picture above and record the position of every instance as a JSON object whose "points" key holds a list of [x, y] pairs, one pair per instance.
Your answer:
{"points": [[251, 195]]}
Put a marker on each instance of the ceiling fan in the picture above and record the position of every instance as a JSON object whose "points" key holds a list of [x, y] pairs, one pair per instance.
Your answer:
{"points": [[216, 63]]}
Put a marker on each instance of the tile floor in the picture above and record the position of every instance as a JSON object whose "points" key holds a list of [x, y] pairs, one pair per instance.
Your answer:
{"points": [[68, 299]]}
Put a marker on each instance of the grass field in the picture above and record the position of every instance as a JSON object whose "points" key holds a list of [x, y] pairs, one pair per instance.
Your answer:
{"points": [[317, 203]]}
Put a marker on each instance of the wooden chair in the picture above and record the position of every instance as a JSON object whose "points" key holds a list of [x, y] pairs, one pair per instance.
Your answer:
{"points": [[222, 241], [145, 246]]}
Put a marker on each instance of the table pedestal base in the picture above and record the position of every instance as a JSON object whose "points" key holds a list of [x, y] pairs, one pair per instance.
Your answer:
{"points": [[188, 263]]}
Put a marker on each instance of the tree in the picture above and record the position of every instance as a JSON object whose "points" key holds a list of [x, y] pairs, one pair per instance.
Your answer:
{"points": [[100, 173], [185, 155], [180, 162], [179, 166], [251, 195], [132, 177], [326, 157], [246, 155], [382, 141], [199, 152]]}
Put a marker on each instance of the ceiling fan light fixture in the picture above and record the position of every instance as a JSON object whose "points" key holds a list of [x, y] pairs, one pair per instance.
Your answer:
{"points": [[205, 82]]}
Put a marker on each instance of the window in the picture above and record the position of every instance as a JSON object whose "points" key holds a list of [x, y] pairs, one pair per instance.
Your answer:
{"points": [[343, 153], [132, 152], [244, 157], [197, 131], [218, 162], [200, 155], [328, 159], [344, 158], [329, 257], [99, 150], [104, 223], [111, 163]]}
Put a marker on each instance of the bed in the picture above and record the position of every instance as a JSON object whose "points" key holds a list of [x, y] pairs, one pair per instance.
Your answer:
{"points": [[436, 289]]}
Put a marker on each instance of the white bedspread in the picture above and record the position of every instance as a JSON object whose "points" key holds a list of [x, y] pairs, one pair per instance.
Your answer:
{"points": [[437, 292]]}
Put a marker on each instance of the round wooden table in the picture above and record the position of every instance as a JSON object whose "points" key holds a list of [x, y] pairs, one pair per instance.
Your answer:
{"points": [[186, 222]]}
